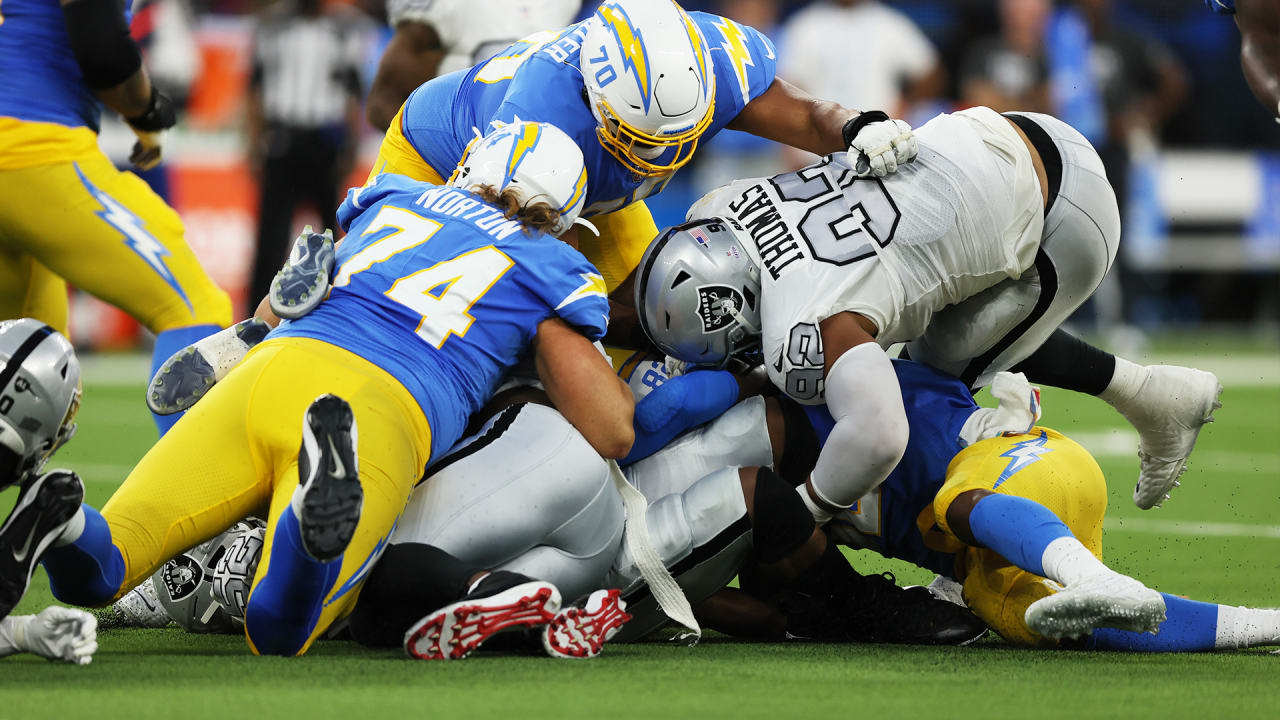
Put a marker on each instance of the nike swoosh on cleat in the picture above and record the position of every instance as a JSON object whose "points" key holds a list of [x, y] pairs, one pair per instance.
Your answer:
{"points": [[20, 555], [339, 470]]}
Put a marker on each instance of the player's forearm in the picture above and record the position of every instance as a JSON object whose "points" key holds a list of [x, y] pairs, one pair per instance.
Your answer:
{"points": [[582, 386], [789, 115], [870, 433], [130, 98]]}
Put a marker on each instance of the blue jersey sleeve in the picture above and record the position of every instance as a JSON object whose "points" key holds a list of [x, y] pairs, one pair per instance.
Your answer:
{"points": [[361, 198], [744, 60], [573, 288]]}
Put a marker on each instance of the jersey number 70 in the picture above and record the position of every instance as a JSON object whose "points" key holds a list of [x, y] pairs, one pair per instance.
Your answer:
{"points": [[443, 293]]}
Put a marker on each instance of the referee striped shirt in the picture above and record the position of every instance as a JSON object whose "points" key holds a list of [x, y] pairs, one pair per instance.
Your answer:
{"points": [[306, 67]]}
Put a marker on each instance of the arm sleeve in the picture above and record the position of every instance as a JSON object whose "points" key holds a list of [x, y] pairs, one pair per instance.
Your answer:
{"points": [[100, 40], [680, 403], [870, 432]]}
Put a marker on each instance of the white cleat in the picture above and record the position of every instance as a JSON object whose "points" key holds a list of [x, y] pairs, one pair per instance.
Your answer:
{"points": [[1109, 600], [139, 608], [579, 633], [1169, 410]]}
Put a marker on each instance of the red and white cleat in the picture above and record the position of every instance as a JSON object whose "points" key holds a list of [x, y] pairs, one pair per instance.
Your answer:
{"points": [[579, 633], [454, 631]]}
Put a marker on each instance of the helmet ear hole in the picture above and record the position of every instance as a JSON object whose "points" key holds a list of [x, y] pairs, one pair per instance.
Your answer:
{"points": [[668, 319], [749, 296], [680, 277]]}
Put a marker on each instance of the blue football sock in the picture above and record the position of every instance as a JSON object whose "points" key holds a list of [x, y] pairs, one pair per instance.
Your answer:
{"points": [[681, 403], [286, 604], [89, 571], [168, 343], [1191, 627], [1017, 528]]}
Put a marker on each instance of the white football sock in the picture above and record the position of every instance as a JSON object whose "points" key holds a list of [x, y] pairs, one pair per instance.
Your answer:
{"points": [[1066, 561], [1125, 383], [1242, 627], [73, 530]]}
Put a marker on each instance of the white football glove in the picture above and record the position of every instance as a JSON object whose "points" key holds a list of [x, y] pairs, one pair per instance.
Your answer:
{"points": [[58, 633], [880, 147], [1016, 411]]}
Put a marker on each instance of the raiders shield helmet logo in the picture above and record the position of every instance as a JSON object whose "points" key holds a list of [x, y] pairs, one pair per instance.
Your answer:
{"points": [[710, 306], [181, 575]]}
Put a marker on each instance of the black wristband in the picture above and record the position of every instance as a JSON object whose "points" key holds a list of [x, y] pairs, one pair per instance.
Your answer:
{"points": [[160, 114], [855, 124]]}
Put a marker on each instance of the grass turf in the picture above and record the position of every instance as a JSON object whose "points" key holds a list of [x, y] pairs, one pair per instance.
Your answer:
{"points": [[1216, 540]]}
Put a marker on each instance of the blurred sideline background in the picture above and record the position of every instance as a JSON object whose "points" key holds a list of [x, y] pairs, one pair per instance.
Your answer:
{"points": [[1155, 84]]}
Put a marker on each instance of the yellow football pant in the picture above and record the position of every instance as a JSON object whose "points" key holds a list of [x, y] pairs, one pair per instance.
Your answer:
{"points": [[236, 454], [107, 233], [1065, 479], [624, 234]]}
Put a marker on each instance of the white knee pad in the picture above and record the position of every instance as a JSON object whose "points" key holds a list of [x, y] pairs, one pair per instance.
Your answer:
{"points": [[740, 437]]}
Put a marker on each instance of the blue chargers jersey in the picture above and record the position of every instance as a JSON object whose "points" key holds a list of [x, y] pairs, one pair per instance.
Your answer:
{"points": [[937, 407], [40, 80], [538, 80], [1221, 7], [435, 286]]}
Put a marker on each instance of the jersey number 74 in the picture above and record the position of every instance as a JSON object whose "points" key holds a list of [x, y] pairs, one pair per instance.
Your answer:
{"points": [[443, 293]]}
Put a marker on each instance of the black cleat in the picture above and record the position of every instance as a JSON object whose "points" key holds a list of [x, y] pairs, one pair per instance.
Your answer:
{"points": [[303, 282], [329, 496], [879, 611], [45, 506]]}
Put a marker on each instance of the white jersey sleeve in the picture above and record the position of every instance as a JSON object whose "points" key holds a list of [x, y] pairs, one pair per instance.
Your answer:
{"points": [[966, 215], [471, 31]]}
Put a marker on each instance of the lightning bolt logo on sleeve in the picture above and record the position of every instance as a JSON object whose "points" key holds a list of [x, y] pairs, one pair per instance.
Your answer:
{"points": [[592, 285], [1023, 454], [135, 234], [735, 46]]}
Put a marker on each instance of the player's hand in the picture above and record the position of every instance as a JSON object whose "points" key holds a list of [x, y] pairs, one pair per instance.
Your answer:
{"points": [[160, 115], [60, 633], [147, 151], [879, 145], [1016, 412]]}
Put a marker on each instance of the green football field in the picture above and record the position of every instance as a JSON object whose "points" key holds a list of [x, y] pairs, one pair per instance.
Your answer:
{"points": [[1218, 540]]}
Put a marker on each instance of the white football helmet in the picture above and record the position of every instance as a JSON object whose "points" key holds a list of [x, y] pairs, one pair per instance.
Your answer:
{"points": [[650, 83], [537, 159]]}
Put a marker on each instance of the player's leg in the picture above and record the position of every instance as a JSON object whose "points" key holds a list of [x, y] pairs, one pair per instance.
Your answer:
{"points": [[116, 239], [197, 481], [29, 289], [314, 562], [1030, 507], [526, 493], [624, 235]]}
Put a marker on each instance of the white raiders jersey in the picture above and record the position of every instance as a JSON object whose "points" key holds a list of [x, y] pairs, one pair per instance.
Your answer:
{"points": [[474, 30], [964, 216]]}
